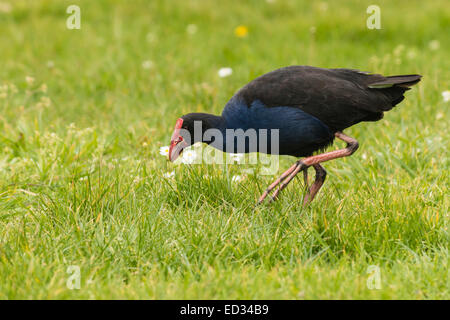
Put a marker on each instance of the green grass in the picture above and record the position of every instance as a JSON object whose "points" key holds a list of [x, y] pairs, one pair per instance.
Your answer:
{"points": [[81, 178]]}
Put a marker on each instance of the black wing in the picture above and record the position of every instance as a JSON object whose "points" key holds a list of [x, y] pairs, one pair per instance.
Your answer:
{"points": [[338, 97]]}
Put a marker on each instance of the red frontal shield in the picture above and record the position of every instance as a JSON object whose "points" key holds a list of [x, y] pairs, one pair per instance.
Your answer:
{"points": [[177, 144]]}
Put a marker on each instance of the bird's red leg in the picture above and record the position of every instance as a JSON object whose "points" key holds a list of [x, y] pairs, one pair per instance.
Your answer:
{"points": [[352, 145], [286, 177]]}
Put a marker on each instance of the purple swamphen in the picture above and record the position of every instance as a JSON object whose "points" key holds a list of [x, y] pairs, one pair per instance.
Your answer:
{"points": [[309, 107]]}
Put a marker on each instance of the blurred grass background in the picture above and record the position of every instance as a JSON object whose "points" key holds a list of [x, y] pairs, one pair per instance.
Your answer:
{"points": [[84, 112]]}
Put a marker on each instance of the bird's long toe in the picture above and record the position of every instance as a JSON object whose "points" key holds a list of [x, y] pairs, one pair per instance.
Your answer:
{"points": [[283, 181], [321, 174]]}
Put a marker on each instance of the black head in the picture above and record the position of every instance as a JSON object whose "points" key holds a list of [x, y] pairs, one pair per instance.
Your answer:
{"points": [[190, 129]]}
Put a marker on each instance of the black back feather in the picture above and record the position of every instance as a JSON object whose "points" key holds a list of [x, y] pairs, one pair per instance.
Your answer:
{"points": [[338, 97]]}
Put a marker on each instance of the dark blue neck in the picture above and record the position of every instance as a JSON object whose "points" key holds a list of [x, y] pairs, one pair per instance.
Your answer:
{"points": [[235, 116]]}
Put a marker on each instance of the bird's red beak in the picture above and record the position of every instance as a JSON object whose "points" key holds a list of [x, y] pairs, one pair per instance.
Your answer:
{"points": [[177, 144]]}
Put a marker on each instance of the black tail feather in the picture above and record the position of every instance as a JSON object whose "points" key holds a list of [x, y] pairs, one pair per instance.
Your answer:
{"points": [[404, 81], [395, 86]]}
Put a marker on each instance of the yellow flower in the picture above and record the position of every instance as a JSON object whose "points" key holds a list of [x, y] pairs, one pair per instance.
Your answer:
{"points": [[241, 31]]}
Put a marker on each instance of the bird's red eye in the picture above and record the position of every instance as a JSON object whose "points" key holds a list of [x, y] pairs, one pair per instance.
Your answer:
{"points": [[180, 138]]}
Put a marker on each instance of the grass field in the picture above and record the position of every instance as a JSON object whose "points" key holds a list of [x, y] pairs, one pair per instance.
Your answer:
{"points": [[83, 114]]}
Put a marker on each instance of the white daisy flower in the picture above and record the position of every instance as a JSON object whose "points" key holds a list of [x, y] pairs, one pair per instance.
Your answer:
{"points": [[164, 151], [5, 7], [137, 180], [434, 45], [399, 49], [29, 80], [236, 157], [323, 6], [169, 175], [446, 96], [150, 37], [411, 54], [188, 156], [191, 29], [147, 64], [225, 72]]}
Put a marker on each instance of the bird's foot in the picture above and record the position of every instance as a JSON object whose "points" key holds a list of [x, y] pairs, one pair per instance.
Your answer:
{"points": [[283, 181]]}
